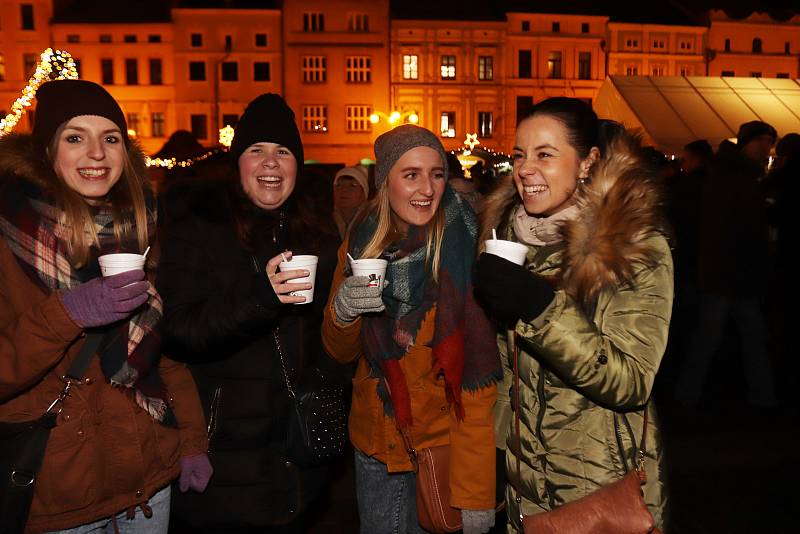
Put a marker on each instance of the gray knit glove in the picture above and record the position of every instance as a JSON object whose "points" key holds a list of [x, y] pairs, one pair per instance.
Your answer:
{"points": [[355, 297], [477, 521]]}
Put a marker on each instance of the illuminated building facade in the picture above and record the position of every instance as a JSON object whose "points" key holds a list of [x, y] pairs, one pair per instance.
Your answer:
{"points": [[340, 64], [758, 46], [656, 49]]}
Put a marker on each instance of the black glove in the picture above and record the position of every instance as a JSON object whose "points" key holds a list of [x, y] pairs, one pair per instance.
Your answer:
{"points": [[509, 291]]}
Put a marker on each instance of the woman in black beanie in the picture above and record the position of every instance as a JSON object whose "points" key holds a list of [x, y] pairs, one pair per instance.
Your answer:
{"points": [[74, 190], [223, 239]]}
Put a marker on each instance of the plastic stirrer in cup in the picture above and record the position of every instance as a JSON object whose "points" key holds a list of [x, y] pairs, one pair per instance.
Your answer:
{"points": [[494, 234], [146, 251]]}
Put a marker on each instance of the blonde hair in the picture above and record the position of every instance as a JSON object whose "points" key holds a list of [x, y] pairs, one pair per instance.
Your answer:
{"points": [[386, 230], [126, 198]]}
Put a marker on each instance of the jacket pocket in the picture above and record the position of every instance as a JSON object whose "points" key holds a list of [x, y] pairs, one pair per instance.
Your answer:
{"points": [[67, 478]]}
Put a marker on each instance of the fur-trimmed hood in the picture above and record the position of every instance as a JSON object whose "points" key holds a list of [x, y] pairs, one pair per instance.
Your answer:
{"points": [[19, 159], [620, 209]]}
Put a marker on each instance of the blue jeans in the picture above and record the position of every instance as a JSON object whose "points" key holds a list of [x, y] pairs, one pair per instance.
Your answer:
{"points": [[387, 503], [157, 524]]}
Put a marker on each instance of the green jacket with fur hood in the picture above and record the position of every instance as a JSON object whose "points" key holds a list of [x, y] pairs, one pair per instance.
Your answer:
{"points": [[587, 364]]}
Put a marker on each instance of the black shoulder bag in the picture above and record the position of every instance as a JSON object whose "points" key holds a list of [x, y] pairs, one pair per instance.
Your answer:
{"points": [[317, 424], [22, 447]]}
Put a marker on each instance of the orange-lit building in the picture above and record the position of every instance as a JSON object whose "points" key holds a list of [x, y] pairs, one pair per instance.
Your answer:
{"points": [[336, 58], [656, 49], [550, 55], [450, 75], [223, 58], [340, 62], [758, 46], [135, 63]]}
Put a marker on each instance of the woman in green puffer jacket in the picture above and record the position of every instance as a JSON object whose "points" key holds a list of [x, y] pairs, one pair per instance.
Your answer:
{"points": [[589, 310]]}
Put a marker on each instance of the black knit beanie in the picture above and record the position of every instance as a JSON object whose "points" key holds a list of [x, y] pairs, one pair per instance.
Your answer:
{"points": [[391, 146], [58, 101], [267, 119]]}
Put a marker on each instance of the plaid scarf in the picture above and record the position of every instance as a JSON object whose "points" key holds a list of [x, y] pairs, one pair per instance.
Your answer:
{"points": [[32, 226], [464, 344]]}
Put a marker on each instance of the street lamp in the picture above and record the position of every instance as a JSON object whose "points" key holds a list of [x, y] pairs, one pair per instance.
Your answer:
{"points": [[394, 117]]}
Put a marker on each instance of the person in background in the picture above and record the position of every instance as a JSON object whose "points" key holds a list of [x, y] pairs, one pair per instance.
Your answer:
{"points": [[75, 189], [588, 312], [684, 206], [231, 315], [459, 184], [733, 222], [427, 360], [350, 193]]}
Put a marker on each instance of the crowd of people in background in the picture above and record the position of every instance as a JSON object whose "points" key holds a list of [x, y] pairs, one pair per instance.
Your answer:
{"points": [[538, 374]]}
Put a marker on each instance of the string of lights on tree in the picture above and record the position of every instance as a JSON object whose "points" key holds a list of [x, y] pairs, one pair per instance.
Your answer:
{"points": [[54, 65]]}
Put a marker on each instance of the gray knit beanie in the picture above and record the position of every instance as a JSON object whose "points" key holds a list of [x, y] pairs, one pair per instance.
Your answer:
{"points": [[391, 146]]}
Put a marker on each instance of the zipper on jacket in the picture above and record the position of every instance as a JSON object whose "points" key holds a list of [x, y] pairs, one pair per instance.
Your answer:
{"points": [[620, 446], [213, 415], [546, 497]]}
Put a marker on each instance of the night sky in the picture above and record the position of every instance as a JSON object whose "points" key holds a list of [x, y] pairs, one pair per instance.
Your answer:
{"points": [[661, 11]]}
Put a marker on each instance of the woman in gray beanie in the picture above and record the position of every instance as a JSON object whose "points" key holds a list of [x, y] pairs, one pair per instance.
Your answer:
{"points": [[224, 303], [427, 358]]}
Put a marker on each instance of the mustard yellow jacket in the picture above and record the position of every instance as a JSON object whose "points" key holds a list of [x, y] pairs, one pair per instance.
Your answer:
{"points": [[472, 461]]}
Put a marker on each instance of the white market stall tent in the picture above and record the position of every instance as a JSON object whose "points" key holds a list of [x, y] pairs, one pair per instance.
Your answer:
{"points": [[672, 111]]}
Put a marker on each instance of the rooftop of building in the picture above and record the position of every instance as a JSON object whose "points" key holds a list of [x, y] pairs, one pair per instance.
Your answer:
{"points": [[671, 12]]}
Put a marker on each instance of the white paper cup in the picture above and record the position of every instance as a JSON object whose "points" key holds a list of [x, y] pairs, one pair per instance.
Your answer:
{"points": [[111, 264], [374, 269], [513, 252], [302, 262]]}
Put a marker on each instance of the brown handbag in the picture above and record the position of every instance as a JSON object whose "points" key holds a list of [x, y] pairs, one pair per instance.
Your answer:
{"points": [[617, 508], [433, 491]]}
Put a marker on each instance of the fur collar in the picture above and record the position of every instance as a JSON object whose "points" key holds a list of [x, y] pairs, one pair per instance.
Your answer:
{"points": [[18, 159], [620, 209]]}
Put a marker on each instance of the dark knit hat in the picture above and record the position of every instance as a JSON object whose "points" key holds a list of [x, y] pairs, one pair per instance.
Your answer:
{"points": [[391, 146], [58, 101], [750, 130], [267, 119]]}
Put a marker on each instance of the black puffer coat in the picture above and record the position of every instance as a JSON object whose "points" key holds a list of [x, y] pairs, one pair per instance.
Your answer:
{"points": [[220, 312]]}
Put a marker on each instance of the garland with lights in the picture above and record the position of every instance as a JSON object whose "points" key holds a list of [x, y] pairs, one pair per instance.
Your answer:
{"points": [[170, 163], [54, 65]]}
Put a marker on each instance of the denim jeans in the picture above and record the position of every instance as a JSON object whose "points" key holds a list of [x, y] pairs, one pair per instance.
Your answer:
{"points": [[386, 502], [157, 524]]}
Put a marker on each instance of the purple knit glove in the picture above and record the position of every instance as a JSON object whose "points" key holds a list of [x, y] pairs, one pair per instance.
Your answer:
{"points": [[102, 301], [195, 473]]}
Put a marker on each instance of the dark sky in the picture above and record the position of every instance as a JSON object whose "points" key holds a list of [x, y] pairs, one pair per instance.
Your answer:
{"points": [[658, 11]]}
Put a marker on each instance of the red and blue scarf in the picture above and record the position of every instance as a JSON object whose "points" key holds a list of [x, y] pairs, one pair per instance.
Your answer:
{"points": [[31, 225], [464, 343]]}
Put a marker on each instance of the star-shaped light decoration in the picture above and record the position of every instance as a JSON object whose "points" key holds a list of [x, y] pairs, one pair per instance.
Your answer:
{"points": [[472, 141], [226, 136]]}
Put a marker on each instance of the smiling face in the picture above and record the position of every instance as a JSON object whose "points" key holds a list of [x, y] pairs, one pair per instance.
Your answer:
{"points": [[268, 173], [547, 166], [89, 156], [415, 185]]}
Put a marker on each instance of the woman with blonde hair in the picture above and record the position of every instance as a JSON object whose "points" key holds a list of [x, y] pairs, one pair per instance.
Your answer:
{"points": [[586, 316], [74, 190], [427, 360]]}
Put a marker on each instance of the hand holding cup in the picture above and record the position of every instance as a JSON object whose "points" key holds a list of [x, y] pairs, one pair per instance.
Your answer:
{"points": [[292, 285]]}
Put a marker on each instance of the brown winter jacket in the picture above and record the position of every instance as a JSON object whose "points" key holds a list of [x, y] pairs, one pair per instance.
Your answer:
{"points": [[105, 454]]}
